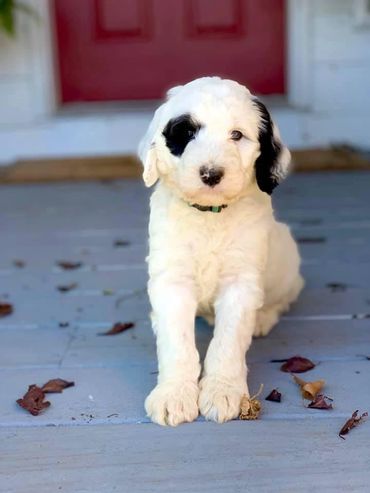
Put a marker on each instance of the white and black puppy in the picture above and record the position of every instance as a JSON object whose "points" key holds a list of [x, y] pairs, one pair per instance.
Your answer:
{"points": [[215, 247]]}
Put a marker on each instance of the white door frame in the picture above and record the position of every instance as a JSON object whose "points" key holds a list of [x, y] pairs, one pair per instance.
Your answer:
{"points": [[299, 53], [298, 56], [43, 61]]}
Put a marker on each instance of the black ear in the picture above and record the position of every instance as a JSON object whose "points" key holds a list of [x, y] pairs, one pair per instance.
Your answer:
{"points": [[272, 163]]}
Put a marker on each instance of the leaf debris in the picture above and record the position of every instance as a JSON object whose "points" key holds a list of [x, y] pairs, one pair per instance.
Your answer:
{"points": [[297, 364], [274, 396], [56, 385], [118, 328], [309, 390], [66, 265], [67, 287], [119, 243], [250, 407], [351, 423], [33, 400], [320, 402], [6, 309]]}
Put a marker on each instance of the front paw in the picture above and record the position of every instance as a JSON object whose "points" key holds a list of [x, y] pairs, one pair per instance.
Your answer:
{"points": [[219, 398], [172, 403]]}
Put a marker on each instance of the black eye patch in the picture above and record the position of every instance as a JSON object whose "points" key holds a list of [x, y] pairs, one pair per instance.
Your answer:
{"points": [[179, 132]]}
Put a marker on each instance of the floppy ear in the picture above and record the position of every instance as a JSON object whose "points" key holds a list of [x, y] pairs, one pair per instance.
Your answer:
{"points": [[147, 147], [147, 151], [272, 165]]}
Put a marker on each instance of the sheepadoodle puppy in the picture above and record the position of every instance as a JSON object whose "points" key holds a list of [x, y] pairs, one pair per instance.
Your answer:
{"points": [[216, 249]]}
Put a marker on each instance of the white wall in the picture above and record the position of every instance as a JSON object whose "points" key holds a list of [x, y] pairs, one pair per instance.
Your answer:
{"points": [[15, 79], [27, 85], [340, 74], [329, 89]]}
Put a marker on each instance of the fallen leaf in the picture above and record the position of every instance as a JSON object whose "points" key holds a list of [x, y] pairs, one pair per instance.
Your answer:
{"points": [[320, 402], [63, 264], [118, 328], [250, 407], [19, 263], [5, 309], [274, 396], [57, 385], [121, 243], [297, 364], [351, 423], [33, 400], [67, 287], [309, 390]]}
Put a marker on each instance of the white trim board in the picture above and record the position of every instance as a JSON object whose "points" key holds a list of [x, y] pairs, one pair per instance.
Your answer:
{"points": [[105, 134], [101, 134], [299, 53]]}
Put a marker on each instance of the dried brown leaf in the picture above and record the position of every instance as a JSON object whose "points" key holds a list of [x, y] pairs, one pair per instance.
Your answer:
{"points": [[250, 407], [118, 328], [66, 265], [297, 364], [56, 385], [5, 309], [274, 396], [67, 287], [320, 402], [33, 400], [351, 423], [309, 390]]}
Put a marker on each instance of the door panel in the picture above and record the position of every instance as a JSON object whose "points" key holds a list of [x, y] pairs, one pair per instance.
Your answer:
{"points": [[136, 49]]}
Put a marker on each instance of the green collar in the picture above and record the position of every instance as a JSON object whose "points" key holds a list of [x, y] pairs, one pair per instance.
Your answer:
{"points": [[209, 208]]}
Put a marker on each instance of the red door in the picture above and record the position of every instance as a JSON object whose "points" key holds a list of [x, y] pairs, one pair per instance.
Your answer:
{"points": [[136, 49]]}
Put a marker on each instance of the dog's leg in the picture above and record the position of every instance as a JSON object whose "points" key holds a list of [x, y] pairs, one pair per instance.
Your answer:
{"points": [[225, 371], [175, 398]]}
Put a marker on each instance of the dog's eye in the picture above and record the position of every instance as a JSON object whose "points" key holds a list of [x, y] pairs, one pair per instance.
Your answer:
{"points": [[236, 135], [179, 132]]}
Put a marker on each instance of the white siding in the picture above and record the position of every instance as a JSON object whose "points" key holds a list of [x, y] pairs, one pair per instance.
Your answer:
{"points": [[15, 97], [340, 60], [26, 72]]}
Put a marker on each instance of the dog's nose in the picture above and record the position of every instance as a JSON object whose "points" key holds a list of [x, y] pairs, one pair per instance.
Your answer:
{"points": [[211, 176]]}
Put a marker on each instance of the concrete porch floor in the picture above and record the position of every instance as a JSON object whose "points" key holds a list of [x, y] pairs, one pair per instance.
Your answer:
{"points": [[95, 437]]}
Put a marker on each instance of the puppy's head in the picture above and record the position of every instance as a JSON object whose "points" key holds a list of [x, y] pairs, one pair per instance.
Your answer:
{"points": [[210, 140]]}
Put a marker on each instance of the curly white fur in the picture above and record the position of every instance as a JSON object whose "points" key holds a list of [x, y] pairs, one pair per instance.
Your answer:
{"points": [[239, 267]]}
